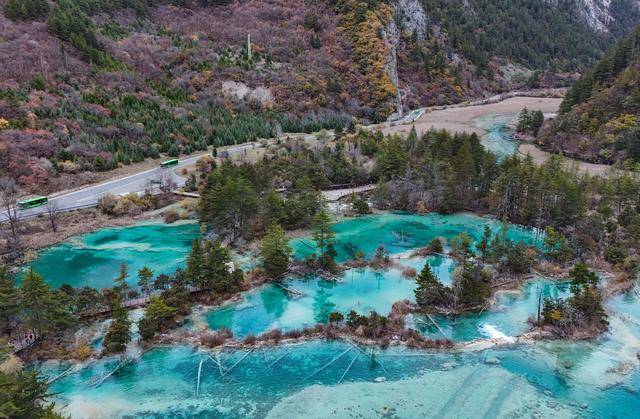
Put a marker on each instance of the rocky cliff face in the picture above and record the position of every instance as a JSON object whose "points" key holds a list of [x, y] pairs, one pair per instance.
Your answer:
{"points": [[596, 13], [600, 15]]}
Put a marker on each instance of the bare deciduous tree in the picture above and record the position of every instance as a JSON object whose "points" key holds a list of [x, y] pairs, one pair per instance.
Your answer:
{"points": [[165, 183], [53, 212], [9, 202]]}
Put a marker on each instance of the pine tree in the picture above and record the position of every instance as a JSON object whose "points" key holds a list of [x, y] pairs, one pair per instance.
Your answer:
{"points": [[323, 234], [8, 298], [412, 139], [471, 285], [157, 313], [461, 184], [523, 120], [195, 264], [121, 280], [26, 9], [275, 252], [118, 334], [23, 394], [430, 291], [484, 243], [42, 308], [144, 279]]}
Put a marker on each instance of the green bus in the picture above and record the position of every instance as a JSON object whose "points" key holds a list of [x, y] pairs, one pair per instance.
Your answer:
{"points": [[169, 163], [33, 202]]}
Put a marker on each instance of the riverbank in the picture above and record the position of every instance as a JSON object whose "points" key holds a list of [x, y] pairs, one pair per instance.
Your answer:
{"points": [[461, 119], [37, 234], [540, 156]]}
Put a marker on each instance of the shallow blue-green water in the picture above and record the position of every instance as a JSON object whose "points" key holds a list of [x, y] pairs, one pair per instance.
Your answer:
{"points": [[401, 232], [361, 290], [499, 139], [94, 259], [507, 318], [545, 379]]}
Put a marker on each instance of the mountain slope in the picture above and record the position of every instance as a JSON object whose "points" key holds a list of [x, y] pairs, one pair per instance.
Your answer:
{"points": [[89, 85], [599, 119]]}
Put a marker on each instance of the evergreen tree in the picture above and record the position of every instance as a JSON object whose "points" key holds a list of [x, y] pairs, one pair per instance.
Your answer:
{"points": [[460, 188], [42, 309], [275, 252], [208, 267], [22, 394], [217, 261], [70, 23], [391, 158], [323, 235], [430, 291], [156, 315], [195, 264], [25, 9], [412, 140], [121, 280], [461, 245], [471, 285], [556, 246], [118, 334], [483, 247], [144, 279], [8, 298], [523, 120]]}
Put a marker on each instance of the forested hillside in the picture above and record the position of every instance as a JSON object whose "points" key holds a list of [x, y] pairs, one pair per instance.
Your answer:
{"points": [[90, 85], [600, 117]]}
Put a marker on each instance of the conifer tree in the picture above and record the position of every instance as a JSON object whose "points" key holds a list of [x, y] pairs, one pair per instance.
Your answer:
{"points": [[430, 291], [144, 279], [275, 252], [8, 298], [121, 280], [483, 247], [323, 234], [42, 309]]}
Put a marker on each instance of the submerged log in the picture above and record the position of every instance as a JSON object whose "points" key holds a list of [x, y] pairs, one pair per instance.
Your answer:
{"points": [[327, 364], [198, 380], [238, 361], [436, 325], [348, 368], [120, 365]]}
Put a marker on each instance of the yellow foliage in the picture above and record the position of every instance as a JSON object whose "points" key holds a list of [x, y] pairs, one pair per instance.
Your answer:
{"points": [[556, 315], [621, 123], [4, 123], [364, 28], [83, 352]]}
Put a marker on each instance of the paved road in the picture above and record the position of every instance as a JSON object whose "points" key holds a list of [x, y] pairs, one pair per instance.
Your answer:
{"points": [[90, 195], [138, 182]]}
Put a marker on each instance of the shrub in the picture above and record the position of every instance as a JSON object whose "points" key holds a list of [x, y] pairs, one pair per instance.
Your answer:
{"points": [[435, 245], [147, 328], [216, 338], [26, 9], [615, 253], [171, 216], [336, 317], [294, 334], [275, 335], [107, 203]]}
